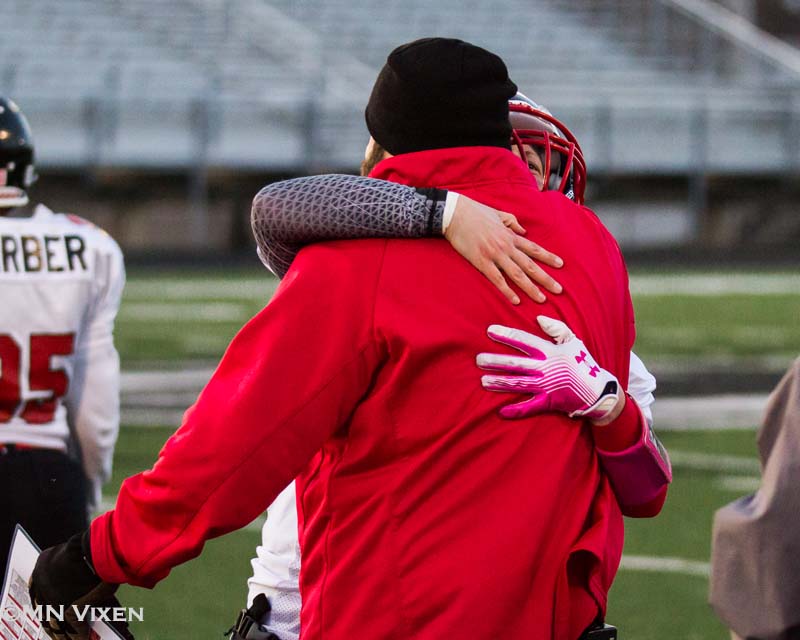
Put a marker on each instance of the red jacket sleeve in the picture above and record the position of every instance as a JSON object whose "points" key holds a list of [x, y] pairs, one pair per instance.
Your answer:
{"points": [[289, 379]]}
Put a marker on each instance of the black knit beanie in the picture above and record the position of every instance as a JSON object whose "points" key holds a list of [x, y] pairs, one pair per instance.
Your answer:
{"points": [[440, 92]]}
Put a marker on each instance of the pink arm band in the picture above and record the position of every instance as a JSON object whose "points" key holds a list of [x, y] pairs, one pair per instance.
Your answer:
{"points": [[640, 472]]}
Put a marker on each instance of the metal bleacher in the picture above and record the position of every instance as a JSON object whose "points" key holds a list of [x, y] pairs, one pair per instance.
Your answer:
{"points": [[673, 86], [280, 85]]}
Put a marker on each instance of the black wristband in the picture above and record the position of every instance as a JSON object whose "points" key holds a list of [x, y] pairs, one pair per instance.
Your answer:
{"points": [[435, 201]]}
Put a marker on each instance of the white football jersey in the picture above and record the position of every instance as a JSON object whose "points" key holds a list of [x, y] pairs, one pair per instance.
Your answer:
{"points": [[276, 568], [61, 280]]}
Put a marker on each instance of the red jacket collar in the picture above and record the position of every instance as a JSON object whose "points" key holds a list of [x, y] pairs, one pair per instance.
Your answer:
{"points": [[450, 168]]}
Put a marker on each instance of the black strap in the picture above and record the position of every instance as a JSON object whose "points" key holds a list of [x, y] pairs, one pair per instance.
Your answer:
{"points": [[248, 623], [599, 631], [434, 197]]}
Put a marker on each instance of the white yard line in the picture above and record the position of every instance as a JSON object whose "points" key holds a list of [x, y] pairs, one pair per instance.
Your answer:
{"points": [[705, 413], [151, 417], [714, 462], [688, 284], [726, 411], [183, 312], [677, 365], [257, 288], [738, 484], [685, 284], [165, 381], [665, 565]]}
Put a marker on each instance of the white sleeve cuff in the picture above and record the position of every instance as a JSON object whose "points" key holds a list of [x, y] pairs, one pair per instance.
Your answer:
{"points": [[641, 384], [449, 209]]}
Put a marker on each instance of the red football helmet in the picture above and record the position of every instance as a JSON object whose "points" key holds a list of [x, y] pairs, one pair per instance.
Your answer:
{"points": [[562, 159]]}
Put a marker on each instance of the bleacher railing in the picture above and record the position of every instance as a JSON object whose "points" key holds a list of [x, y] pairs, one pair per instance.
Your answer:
{"points": [[741, 115], [710, 39], [722, 31]]}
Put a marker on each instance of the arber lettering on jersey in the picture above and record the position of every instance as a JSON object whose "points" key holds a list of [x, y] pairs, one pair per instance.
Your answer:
{"points": [[75, 249], [48, 254], [31, 253], [51, 256], [9, 249]]}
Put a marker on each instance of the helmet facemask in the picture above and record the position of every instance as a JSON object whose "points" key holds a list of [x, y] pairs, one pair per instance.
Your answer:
{"points": [[17, 172], [561, 157], [16, 176]]}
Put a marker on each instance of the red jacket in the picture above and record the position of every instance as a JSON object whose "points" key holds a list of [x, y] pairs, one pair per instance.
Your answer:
{"points": [[423, 514]]}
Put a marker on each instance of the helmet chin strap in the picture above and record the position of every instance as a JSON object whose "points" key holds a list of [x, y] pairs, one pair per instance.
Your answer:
{"points": [[12, 197]]}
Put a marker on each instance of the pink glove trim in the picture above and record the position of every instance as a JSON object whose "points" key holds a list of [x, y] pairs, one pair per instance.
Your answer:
{"points": [[550, 379], [561, 377]]}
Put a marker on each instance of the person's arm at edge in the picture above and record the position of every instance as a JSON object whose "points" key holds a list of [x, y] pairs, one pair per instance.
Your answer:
{"points": [[290, 214], [287, 381]]}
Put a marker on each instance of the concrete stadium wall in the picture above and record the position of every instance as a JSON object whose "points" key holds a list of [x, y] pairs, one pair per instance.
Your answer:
{"points": [[154, 213]]}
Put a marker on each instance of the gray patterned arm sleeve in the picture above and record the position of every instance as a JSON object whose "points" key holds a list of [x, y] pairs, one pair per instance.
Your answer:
{"points": [[288, 215]]}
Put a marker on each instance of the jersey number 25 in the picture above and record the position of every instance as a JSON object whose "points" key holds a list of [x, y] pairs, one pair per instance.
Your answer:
{"points": [[41, 377]]}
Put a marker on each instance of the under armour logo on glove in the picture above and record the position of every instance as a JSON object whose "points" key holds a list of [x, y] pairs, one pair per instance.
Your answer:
{"points": [[561, 375], [593, 368]]}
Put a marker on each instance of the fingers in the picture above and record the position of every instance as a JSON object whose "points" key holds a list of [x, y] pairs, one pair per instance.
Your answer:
{"points": [[533, 406], [489, 240], [531, 345], [74, 628], [537, 274], [537, 252], [490, 270], [556, 329], [507, 364], [102, 593], [510, 220], [507, 259], [62, 630], [511, 384], [524, 254], [533, 251], [519, 276], [52, 627]]}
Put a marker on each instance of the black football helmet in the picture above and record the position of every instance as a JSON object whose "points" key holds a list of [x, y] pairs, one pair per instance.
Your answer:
{"points": [[561, 156], [17, 172]]}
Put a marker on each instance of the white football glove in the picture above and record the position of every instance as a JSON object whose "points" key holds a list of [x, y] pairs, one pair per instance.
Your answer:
{"points": [[562, 375]]}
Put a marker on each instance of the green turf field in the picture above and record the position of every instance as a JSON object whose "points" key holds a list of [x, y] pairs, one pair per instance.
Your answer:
{"points": [[200, 599], [175, 318]]}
